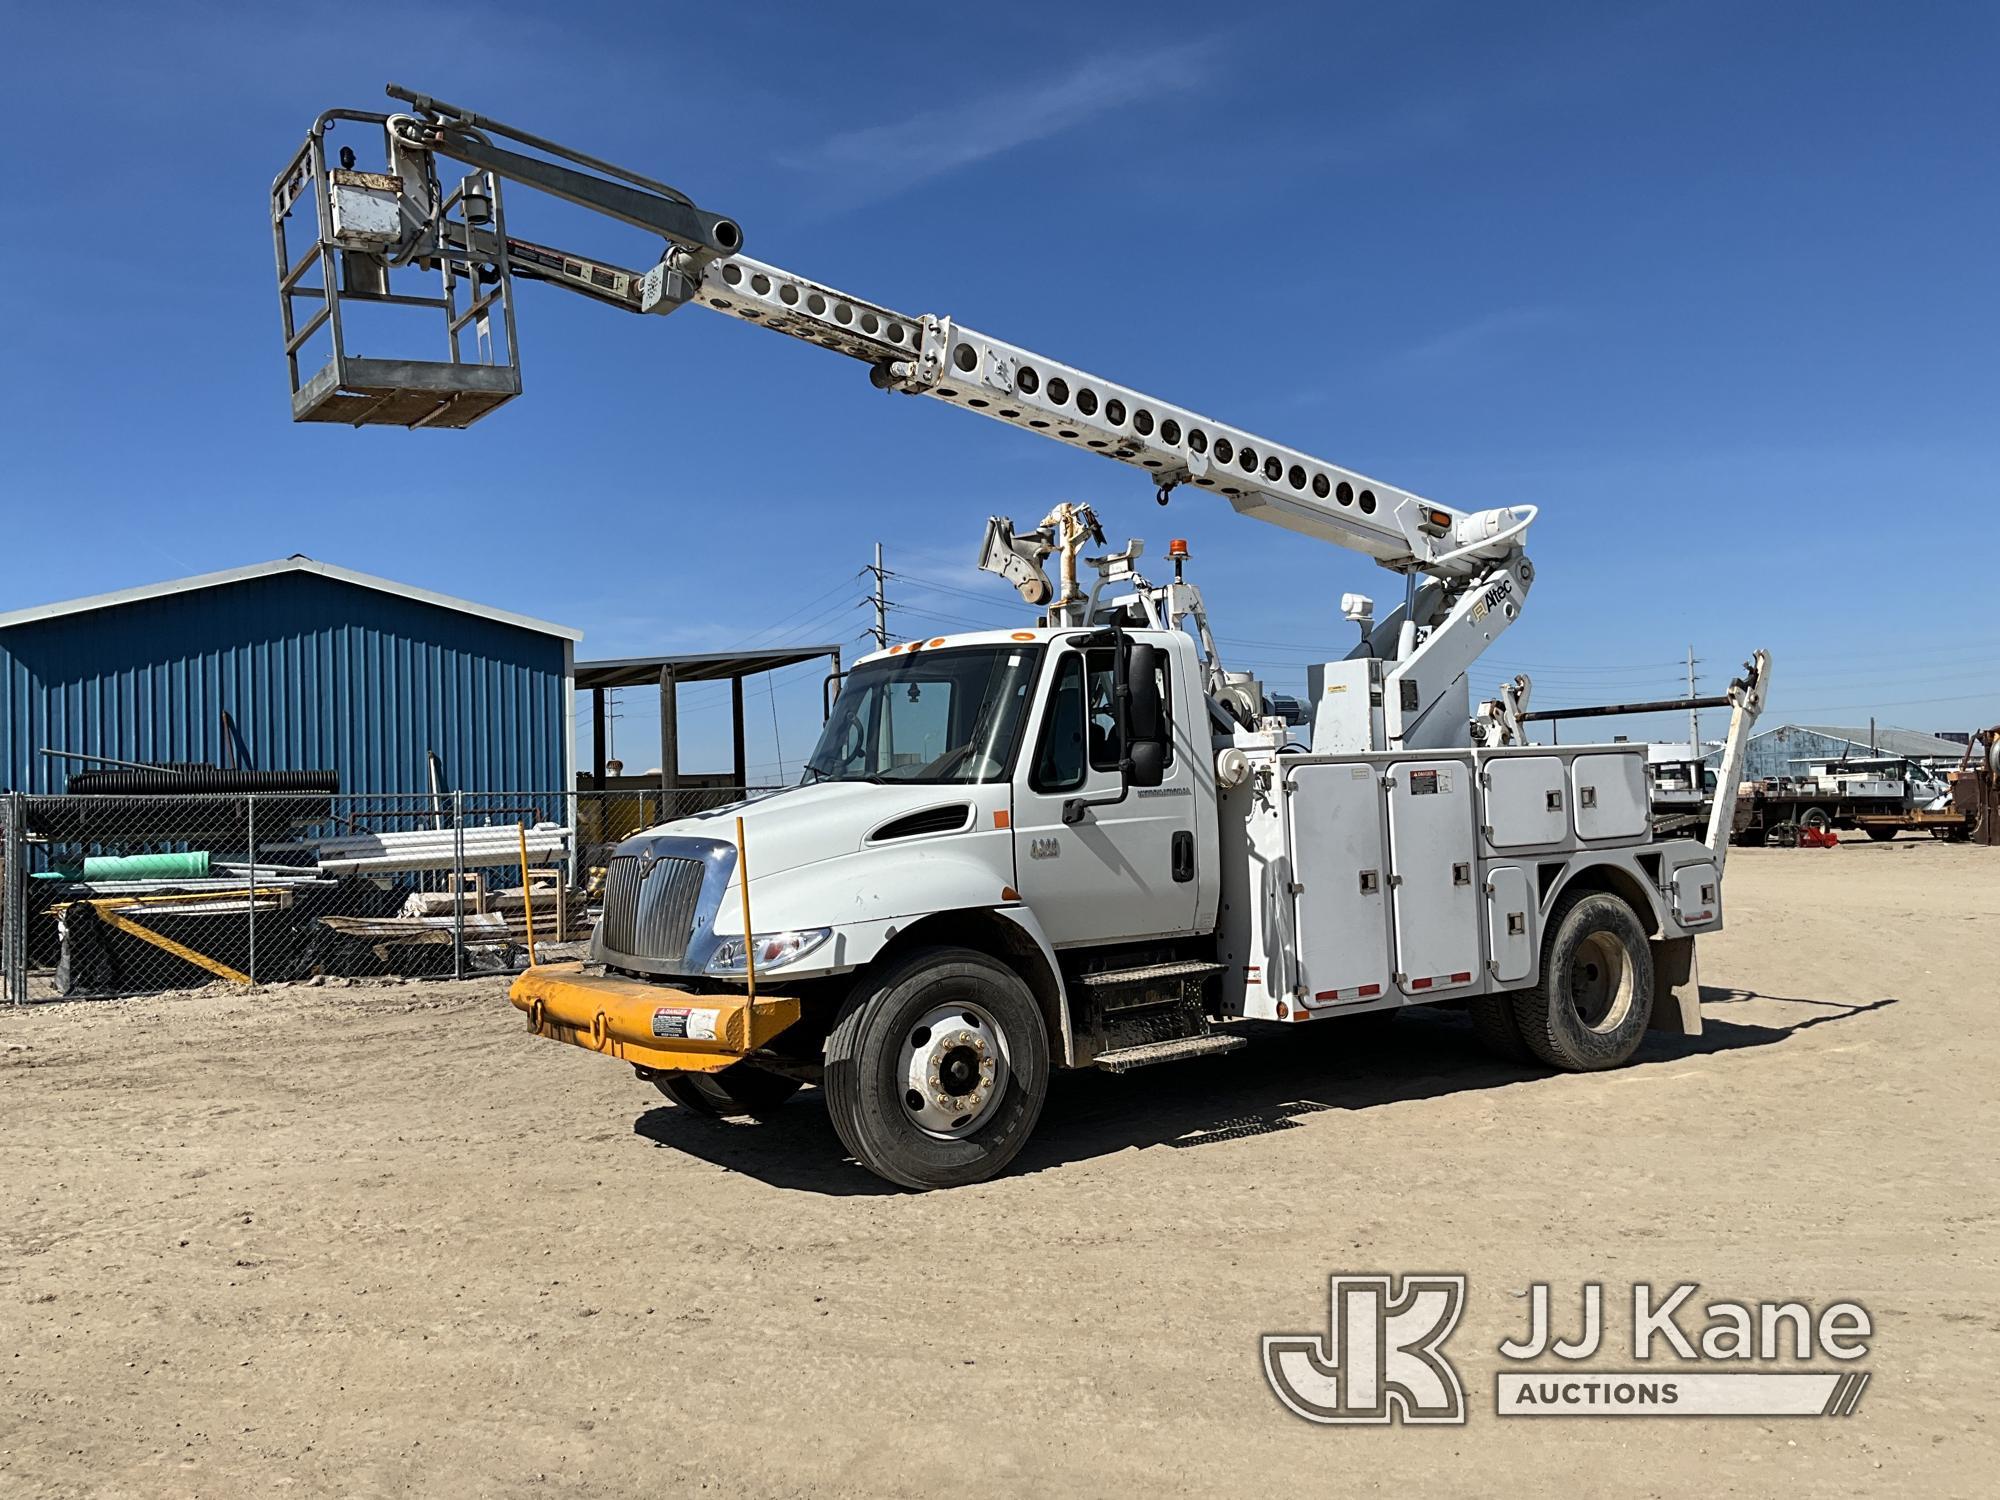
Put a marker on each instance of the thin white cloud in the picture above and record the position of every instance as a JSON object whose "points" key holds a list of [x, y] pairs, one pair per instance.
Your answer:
{"points": [[1474, 343], [878, 161]]}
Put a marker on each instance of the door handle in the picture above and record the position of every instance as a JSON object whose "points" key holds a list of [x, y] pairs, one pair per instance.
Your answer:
{"points": [[1183, 857]]}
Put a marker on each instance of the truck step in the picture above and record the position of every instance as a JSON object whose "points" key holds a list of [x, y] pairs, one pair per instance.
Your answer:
{"points": [[1125, 1059], [1151, 974]]}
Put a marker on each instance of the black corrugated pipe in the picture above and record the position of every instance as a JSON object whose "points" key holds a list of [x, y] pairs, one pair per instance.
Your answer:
{"points": [[197, 780]]}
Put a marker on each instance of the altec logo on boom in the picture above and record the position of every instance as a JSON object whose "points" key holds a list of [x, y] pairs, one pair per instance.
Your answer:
{"points": [[1382, 1359]]}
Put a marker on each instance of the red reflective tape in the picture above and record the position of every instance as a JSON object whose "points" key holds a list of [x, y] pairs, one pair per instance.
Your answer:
{"points": [[1367, 991], [1421, 984], [1327, 995], [1461, 979]]}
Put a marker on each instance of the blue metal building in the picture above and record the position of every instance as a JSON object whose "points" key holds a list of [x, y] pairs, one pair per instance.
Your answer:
{"points": [[290, 665]]}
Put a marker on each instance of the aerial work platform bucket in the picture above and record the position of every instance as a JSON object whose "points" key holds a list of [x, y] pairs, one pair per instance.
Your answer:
{"points": [[379, 236]]}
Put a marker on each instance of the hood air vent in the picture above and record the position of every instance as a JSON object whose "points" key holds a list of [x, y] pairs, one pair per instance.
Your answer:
{"points": [[931, 820]]}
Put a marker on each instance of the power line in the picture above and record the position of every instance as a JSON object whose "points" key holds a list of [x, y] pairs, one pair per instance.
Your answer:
{"points": [[963, 622], [760, 636], [1830, 708], [931, 584]]}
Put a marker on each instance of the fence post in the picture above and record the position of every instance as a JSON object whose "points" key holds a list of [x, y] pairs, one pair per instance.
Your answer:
{"points": [[457, 883], [17, 900], [250, 838], [10, 891], [17, 916]]}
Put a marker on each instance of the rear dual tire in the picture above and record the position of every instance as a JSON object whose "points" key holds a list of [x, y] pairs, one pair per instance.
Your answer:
{"points": [[1594, 1000]]}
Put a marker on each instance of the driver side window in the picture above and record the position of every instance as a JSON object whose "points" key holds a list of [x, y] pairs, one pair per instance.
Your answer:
{"points": [[1103, 726], [1061, 762], [1081, 731]]}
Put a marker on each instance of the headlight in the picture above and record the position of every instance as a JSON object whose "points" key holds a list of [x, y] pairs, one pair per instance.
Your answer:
{"points": [[774, 950]]}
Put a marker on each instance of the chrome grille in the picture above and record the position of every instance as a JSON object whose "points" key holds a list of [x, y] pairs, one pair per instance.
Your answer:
{"points": [[649, 912], [621, 903]]}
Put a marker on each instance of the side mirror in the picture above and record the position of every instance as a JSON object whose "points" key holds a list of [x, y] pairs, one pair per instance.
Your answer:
{"points": [[1145, 730], [1148, 763]]}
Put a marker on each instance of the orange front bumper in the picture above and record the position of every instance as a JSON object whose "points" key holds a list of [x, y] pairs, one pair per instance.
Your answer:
{"points": [[648, 1025]]}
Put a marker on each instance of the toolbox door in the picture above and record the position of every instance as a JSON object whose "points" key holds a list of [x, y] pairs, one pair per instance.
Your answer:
{"points": [[1524, 801], [1609, 790], [1697, 894], [1510, 924], [1434, 903], [1340, 884]]}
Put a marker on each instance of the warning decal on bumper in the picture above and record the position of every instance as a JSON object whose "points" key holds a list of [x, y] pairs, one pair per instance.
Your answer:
{"points": [[683, 1023]]}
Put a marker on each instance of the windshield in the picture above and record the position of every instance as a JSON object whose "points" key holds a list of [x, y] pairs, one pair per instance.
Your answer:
{"points": [[950, 716]]}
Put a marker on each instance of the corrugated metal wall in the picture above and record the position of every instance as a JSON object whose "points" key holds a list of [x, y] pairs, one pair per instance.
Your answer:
{"points": [[313, 671], [1782, 751], [1785, 750]]}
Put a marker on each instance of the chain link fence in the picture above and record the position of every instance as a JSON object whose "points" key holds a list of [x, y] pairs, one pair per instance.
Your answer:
{"points": [[105, 896]]}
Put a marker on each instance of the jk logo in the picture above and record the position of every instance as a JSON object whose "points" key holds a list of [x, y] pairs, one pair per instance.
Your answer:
{"points": [[1379, 1361]]}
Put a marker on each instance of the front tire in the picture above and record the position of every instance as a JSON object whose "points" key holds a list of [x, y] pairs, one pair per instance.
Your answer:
{"points": [[738, 1090], [937, 1069], [1595, 997]]}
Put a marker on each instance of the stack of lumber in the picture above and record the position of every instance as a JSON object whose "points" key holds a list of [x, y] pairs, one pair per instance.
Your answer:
{"points": [[569, 909], [443, 849]]}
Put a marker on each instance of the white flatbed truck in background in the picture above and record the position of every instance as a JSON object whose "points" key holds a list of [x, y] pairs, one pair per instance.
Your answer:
{"points": [[1084, 842]]}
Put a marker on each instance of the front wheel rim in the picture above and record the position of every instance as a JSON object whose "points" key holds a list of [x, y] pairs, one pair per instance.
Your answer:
{"points": [[953, 1070]]}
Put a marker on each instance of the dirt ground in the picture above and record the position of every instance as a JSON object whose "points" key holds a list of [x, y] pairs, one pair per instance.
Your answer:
{"points": [[378, 1240]]}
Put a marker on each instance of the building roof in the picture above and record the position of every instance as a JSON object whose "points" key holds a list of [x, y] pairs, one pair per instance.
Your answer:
{"points": [[698, 666], [1898, 742], [297, 563]]}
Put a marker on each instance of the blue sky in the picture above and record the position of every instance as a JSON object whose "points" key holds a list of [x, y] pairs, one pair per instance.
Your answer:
{"points": [[1715, 285]]}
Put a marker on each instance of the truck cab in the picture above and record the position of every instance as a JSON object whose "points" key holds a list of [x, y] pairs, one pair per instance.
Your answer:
{"points": [[962, 774]]}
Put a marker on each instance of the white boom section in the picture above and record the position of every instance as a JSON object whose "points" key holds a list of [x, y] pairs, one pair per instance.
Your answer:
{"points": [[935, 357]]}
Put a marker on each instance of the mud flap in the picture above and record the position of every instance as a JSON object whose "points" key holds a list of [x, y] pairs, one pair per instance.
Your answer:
{"points": [[1676, 987]]}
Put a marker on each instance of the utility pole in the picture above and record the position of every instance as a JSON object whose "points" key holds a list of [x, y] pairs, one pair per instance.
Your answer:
{"points": [[1694, 714], [879, 598]]}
